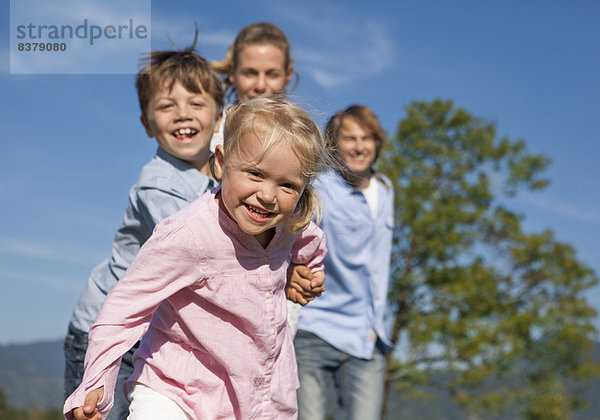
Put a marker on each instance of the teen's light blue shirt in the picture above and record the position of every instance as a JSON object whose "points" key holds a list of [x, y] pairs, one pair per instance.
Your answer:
{"points": [[349, 315], [166, 185]]}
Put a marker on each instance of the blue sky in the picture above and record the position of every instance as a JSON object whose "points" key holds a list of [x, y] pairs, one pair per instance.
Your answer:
{"points": [[73, 144]]}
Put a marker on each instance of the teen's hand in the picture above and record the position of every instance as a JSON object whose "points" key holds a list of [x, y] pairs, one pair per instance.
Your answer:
{"points": [[304, 285], [89, 411], [316, 283]]}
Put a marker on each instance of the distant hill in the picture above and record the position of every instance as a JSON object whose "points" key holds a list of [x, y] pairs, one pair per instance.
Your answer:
{"points": [[31, 377]]}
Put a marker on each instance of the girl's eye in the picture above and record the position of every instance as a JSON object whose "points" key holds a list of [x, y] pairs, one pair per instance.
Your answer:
{"points": [[199, 104], [289, 186], [254, 174]]}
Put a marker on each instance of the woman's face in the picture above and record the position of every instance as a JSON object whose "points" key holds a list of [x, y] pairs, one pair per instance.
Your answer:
{"points": [[260, 72]]}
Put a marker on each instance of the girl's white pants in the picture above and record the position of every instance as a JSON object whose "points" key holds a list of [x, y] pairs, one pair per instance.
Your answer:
{"points": [[147, 404]]}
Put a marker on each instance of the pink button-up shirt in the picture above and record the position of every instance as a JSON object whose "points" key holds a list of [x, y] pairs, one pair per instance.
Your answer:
{"points": [[212, 303]]}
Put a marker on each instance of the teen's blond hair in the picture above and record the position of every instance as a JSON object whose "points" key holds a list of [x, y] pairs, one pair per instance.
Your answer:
{"points": [[364, 117]]}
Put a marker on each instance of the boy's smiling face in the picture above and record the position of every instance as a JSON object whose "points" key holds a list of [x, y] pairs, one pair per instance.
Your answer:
{"points": [[183, 123]]}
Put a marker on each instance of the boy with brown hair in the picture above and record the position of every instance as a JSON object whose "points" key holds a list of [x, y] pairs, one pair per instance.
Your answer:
{"points": [[181, 101]]}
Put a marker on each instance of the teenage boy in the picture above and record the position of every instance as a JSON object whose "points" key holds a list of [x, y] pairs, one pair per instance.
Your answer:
{"points": [[341, 335]]}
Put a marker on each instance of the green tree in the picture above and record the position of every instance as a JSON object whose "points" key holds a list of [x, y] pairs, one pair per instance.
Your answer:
{"points": [[501, 310]]}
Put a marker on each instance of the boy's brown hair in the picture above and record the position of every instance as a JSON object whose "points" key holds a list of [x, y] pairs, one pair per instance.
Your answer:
{"points": [[363, 117], [164, 68]]}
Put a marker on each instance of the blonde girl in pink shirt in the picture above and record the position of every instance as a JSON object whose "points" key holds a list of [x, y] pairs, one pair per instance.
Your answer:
{"points": [[207, 290]]}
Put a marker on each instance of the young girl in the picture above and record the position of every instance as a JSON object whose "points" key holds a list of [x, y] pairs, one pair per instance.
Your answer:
{"points": [[207, 288]]}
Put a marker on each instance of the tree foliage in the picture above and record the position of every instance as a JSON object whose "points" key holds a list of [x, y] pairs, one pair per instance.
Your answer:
{"points": [[501, 309]]}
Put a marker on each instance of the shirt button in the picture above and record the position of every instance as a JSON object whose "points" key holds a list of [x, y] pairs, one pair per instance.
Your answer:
{"points": [[272, 331], [266, 397], [265, 259], [268, 295], [270, 365]]}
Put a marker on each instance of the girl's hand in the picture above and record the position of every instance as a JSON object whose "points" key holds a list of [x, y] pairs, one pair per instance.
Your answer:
{"points": [[89, 411], [304, 285]]}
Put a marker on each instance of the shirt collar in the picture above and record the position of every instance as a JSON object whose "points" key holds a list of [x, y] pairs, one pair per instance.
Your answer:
{"points": [[233, 228], [340, 182], [176, 162], [187, 170]]}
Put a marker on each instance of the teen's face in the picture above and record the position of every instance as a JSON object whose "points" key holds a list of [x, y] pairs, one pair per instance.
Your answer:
{"points": [[358, 148], [259, 195], [260, 72], [183, 123]]}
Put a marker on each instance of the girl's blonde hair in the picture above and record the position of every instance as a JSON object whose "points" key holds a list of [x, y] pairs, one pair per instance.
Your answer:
{"points": [[277, 121], [260, 33]]}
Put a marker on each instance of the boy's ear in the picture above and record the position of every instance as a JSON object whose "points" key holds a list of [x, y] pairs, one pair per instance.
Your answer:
{"points": [[147, 126], [218, 163], [231, 79]]}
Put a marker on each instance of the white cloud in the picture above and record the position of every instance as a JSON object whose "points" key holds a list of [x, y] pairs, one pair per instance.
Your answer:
{"points": [[46, 252], [180, 32], [36, 278], [341, 48], [561, 208], [328, 79], [59, 12]]}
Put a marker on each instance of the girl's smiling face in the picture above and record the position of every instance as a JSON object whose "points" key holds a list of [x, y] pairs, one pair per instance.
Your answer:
{"points": [[259, 194]]}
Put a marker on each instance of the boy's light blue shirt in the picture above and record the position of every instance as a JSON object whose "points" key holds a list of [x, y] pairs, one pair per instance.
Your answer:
{"points": [[350, 312], [166, 184]]}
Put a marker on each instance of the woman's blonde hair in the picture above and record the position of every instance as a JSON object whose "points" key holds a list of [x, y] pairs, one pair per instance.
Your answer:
{"points": [[260, 33], [277, 121]]}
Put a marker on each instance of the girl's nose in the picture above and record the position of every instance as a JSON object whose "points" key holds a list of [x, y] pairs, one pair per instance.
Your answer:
{"points": [[266, 193]]}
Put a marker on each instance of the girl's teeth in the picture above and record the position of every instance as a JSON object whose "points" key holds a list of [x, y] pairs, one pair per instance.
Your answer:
{"points": [[255, 210]]}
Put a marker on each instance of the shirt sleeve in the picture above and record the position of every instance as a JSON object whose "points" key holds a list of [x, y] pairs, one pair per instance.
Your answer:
{"points": [[167, 263], [156, 204], [310, 248], [149, 207]]}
